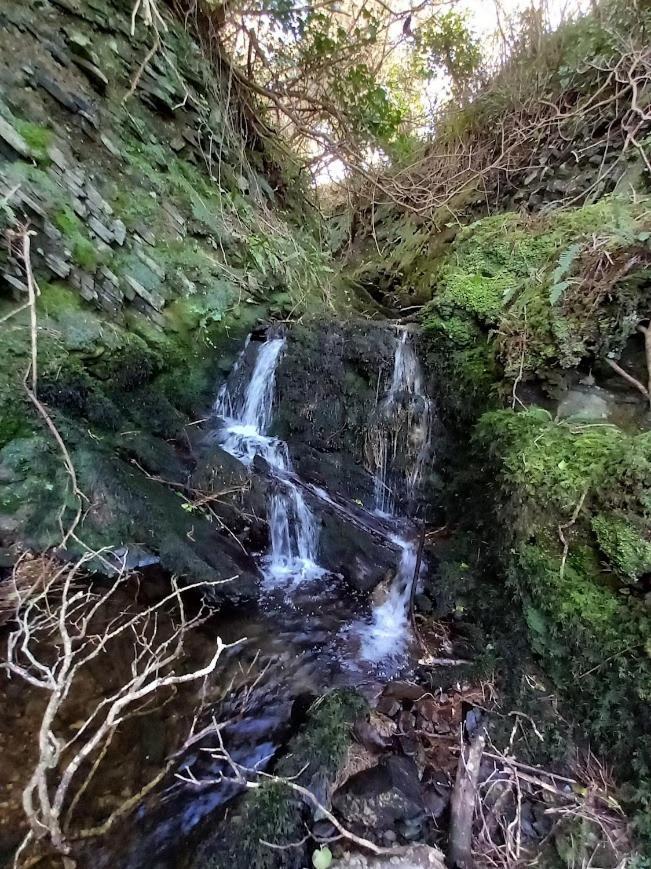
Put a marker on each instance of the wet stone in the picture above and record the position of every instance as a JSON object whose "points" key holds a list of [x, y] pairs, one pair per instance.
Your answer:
{"points": [[50, 231], [57, 265], [74, 180], [87, 287], [151, 264], [110, 145], [101, 231], [70, 101], [80, 208], [151, 298], [93, 73], [57, 156], [14, 283], [97, 204], [146, 234], [13, 138], [119, 231]]}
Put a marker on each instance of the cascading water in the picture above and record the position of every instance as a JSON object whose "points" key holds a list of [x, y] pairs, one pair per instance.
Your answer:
{"points": [[399, 439], [247, 417], [403, 423], [401, 431]]}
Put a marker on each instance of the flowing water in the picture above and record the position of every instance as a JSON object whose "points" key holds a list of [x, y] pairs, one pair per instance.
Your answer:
{"points": [[399, 439], [292, 526], [316, 632]]}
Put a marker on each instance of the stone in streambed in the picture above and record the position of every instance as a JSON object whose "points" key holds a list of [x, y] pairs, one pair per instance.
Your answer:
{"points": [[361, 557], [413, 857], [380, 797]]}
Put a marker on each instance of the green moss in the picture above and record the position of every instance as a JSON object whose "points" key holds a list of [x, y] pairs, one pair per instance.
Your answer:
{"points": [[622, 544], [272, 812], [57, 299], [326, 735], [525, 283], [548, 482], [38, 138], [67, 222], [84, 252]]}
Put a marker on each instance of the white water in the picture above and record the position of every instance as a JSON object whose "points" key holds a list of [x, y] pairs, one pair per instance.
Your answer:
{"points": [[293, 529], [387, 635], [405, 402], [292, 556]]}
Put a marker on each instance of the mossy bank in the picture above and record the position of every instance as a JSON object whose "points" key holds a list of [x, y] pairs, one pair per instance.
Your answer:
{"points": [[165, 222]]}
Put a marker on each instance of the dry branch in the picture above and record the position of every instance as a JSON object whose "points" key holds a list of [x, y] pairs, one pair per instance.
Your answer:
{"points": [[462, 807], [61, 626]]}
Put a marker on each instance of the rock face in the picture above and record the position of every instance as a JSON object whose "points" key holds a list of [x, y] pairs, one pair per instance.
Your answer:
{"points": [[145, 289], [328, 382]]}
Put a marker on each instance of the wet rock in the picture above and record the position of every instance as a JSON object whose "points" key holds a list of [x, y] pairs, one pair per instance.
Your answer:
{"points": [[399, 690], [157, 302], [423, 603], [119, 231], [70, 101], [414, 857], [587, 404], [388, 706], [57, 156], [380, 797], [146, 234], [362, 558], [57, 265], [96, 202], [101, 231], [15, 141], [93, 73], [376, 733], [110, 145]]}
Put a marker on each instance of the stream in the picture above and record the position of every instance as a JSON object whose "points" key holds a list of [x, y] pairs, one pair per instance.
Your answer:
{"points": [[314, 631]]}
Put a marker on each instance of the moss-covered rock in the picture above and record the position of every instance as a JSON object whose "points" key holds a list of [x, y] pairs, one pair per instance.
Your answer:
{"points": [[155, 250], [273, 812], [563, 498], [520, 298]]}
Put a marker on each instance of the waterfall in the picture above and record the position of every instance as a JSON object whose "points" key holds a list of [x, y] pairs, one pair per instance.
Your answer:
{"points": [[387, 635], [247, 417], [399, 437], [400, 447]]}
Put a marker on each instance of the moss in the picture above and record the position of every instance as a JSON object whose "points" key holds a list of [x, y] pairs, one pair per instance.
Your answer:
{"points": [[326, 735], [528, 286], [543, 478], [38, 138], [623, 545], [130, 365], [84, 252], [273, 812]]}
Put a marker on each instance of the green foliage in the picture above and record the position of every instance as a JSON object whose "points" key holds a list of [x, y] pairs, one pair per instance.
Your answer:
{"points": [[38, 138], [84, 252], [323, 741], [445, 42], [592, 641], [524, 283]]}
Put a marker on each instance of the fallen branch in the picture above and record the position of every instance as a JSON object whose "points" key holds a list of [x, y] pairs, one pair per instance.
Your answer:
{"points": [[462, 806], [628, 377], [240, 774], [563, 528]]}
